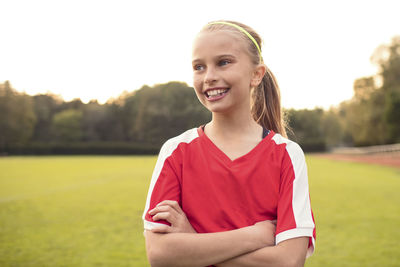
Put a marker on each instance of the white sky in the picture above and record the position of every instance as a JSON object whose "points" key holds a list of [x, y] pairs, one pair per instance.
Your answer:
{"points": [[98, 49]]}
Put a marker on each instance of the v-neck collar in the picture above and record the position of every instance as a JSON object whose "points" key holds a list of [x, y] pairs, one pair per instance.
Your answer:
{"points": [[222, 156]]}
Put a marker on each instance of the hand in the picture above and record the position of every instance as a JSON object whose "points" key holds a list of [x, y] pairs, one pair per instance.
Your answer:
{"points": [[265, 232], [170, 211]]}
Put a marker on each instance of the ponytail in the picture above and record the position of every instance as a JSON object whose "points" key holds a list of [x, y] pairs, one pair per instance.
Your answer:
{"points": [[266, 104]]}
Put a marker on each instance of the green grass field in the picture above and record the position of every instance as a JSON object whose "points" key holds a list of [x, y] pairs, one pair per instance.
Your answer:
{"points": [[86, 211]]}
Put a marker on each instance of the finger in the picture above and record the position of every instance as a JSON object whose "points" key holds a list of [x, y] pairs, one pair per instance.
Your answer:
{"points": [[164, 216], [173, 203], [162, 229], [164, 208]]}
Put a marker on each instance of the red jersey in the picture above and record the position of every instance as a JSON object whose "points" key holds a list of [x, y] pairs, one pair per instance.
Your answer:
{"points": [[218, 194]]}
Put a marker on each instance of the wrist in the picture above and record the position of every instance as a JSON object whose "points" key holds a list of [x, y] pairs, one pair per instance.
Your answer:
{"points": [[253, 238]]}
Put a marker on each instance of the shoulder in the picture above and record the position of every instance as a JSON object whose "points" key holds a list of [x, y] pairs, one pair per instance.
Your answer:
{"points": [[293, 150], [184, 138]]}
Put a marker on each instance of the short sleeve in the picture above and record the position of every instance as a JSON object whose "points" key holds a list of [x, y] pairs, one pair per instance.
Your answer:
{"points": [[164, 185], [294, 214]]}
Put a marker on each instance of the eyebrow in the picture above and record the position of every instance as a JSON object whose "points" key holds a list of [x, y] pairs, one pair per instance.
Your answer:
{"points": [[217, 57]]}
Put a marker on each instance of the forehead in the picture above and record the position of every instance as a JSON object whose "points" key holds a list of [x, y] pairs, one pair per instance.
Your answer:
{"points": [[215, 43]]}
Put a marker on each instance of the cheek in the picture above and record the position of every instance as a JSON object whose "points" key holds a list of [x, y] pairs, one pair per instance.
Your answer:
{"points": [[198, 94], [240, 81], [197, 89], [197, 84]]}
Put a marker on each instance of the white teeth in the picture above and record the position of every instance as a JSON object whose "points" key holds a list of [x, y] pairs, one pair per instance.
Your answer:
{"points": [[216, 92]]}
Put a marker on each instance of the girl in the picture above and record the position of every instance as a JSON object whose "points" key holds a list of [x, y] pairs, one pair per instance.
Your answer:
{"points": [[233, 192]]}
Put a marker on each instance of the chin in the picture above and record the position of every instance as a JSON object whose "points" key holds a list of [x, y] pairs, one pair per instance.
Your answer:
{"points": [[219, 109], [223, 106]]}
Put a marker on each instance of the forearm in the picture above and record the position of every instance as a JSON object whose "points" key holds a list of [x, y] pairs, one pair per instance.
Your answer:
{"points": [[191, 249], [288, 253]]}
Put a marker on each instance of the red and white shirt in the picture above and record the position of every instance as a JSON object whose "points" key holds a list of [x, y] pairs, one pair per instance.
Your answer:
{"points": [[218, 194]]}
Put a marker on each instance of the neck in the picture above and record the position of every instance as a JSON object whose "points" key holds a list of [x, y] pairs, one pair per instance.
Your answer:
{"points": [[234, 124]]}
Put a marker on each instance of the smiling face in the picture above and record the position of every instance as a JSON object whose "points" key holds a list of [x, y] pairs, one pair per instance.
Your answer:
{"points": [[222, 72]]}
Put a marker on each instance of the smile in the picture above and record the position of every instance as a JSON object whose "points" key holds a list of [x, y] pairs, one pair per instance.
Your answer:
{"points": [[216, 94]]}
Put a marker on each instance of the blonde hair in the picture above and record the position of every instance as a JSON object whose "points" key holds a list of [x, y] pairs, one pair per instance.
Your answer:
{"points": [[266, 102]]}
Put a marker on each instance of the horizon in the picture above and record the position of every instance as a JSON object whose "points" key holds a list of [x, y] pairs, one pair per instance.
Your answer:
{"points": [[49, 93]]}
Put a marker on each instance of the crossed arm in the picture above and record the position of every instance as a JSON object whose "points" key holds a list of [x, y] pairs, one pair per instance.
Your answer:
{"points": [[180, 245]]}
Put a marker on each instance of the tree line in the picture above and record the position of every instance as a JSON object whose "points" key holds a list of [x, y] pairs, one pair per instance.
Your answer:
{"points": [[138, 122]]}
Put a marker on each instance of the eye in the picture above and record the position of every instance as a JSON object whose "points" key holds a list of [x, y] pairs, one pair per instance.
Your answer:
{"points": [[224, 62], [198, 67]]}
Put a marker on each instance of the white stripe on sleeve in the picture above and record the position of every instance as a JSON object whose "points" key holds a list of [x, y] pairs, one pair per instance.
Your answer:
{"points": [[301, 198], [166, 150]]}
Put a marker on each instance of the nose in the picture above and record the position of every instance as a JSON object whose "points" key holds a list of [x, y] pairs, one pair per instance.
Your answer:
{"points": [[211, 76]]}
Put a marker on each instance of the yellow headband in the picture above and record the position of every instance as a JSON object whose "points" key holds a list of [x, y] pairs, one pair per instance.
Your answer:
{"points": [[242, 30]]}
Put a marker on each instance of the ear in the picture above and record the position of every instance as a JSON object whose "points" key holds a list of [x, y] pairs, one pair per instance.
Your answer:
{"points": [[258, 74]]}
